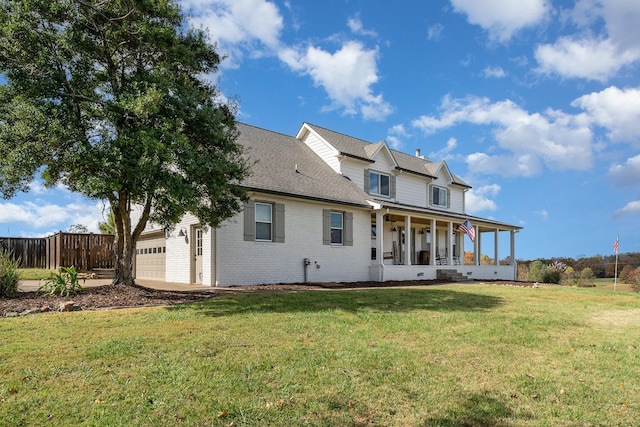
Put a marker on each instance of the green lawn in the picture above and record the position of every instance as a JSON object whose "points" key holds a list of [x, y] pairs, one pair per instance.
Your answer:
{"points": [[35, 273], [475, 355]]}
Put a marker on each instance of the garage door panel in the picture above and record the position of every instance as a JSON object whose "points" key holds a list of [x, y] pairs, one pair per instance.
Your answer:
{"points": [[151, 258]]}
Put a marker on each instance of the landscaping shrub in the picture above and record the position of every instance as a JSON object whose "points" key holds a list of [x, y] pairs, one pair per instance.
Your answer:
{"points": [[63, 283], [9, 274], [551, 276], [536, 271]]}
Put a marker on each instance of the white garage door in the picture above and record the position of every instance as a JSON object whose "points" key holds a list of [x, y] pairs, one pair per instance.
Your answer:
{"points": [[151, 257]]}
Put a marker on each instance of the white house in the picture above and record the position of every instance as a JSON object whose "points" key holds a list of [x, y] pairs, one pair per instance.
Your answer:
{"points": [[327, 207]]}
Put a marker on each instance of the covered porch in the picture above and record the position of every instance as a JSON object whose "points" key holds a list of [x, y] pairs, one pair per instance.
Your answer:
{"points": [[415, 244]]}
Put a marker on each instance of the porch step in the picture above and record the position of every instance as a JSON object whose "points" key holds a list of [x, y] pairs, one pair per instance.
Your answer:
{"points": [[451, 275]]}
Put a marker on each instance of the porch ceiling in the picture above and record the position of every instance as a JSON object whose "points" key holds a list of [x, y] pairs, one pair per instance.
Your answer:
{"points": [[423, 219]]}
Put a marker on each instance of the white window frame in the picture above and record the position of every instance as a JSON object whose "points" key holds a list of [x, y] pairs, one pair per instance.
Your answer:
{"points": [[443, 194], [270, 222], [375, 177], [341, 228]]}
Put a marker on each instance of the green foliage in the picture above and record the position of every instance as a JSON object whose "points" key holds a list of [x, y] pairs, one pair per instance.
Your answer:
{"points": [[536, 271], [9, 274], [551, 276], [584, 279], [108, 227], [78, 228], [65, 282], [634, 280], [109, 99]]}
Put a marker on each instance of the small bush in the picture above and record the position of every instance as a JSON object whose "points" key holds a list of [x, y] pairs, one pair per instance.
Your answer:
{"points": [[537, 271], [63, 283], [9, 274], [551, 276]]}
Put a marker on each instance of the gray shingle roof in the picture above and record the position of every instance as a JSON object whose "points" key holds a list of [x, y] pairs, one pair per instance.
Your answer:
{"points": [[277, 155], [359, 148]]}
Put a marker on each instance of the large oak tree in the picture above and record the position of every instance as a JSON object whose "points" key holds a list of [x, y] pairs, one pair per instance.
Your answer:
{"points": [[108, 97]]}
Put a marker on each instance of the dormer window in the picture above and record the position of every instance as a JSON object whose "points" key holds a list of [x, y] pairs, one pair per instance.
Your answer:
{"points": [[379, 184], [439, 196]]}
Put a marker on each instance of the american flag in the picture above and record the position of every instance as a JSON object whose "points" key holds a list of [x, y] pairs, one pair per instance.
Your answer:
{"points": [[468, 228], [615, 246]]}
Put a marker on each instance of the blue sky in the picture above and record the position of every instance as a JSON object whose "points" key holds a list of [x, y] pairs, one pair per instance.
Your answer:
{"points": [[534, 103]]}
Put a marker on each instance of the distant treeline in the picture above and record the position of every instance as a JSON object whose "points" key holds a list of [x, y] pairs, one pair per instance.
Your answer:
{"points": [[601, 265]]}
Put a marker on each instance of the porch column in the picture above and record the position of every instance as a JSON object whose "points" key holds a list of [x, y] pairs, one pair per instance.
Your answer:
{"points": [[448, 243], [407, 240], [379, 235], [477, 247], [512, 253], [432, 248], [495, 248]]}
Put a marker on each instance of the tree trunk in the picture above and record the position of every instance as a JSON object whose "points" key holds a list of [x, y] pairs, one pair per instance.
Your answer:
{"points": [[125, 238], [123, 268]]}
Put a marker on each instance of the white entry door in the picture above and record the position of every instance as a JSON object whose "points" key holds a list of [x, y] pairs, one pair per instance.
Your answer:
{"points": [[196, 276]]}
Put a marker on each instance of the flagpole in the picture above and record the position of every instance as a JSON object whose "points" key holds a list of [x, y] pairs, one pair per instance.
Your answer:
{"points": [[615, 277]]}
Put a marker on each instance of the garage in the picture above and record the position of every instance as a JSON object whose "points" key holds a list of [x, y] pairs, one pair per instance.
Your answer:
{"points": [[151, 251]]}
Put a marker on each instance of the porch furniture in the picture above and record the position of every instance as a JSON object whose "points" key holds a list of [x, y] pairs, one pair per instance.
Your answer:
{"points": [[456, 259], [441, 259]]}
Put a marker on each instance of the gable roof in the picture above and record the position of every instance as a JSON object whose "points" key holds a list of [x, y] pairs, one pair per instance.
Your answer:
{"points": [[285, 166], [363, 150]]}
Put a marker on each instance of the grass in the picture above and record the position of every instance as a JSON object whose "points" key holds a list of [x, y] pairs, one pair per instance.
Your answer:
{"points": [[34, 273], [476, 355]]}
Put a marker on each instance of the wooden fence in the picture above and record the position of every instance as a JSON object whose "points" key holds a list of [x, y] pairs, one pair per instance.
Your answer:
{"points": [[32, 253], [85, 252]]}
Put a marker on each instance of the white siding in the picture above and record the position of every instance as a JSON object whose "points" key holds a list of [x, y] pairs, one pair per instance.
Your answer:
{"points": [[355, 171], [179, 252], [412, 190], [324, 150], [383, 162], [457, 199], [246, 263]]}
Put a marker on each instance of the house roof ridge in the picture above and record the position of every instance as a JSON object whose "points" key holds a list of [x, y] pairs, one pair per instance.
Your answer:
{"points": [[340, 133], [264, 129]]}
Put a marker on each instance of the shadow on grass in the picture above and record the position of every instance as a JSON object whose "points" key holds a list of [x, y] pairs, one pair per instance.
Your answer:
{"points": [[477, 410], [380, 300]]}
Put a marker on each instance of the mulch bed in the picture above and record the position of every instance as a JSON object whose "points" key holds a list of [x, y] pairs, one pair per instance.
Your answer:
{"points": [[114, 296]]}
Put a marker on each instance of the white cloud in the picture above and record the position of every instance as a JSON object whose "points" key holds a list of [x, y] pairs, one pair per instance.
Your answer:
{"points": [[40, 214], [502, 19], [597, 52], [630, 209], [617, 110], [394, 135], [480, 199], [356, 27], [587, 58], [494, 72], [347, 76], [445, 152], [558, 140], [627, 174], [237, 25], [542, 214], [434, 32]]}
